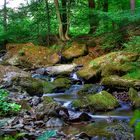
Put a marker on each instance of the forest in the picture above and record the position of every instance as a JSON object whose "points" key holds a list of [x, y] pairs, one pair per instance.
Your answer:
{"points": [[70, 70]]}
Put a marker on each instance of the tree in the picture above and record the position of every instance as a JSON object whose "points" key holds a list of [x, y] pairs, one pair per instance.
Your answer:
{"points": [[48, 22], [5, 22], [91, 5], [63, 18], [132, 6], [105, 5]]}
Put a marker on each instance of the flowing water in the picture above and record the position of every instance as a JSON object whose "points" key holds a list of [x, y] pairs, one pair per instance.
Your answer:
{"points": [[101, 119]]}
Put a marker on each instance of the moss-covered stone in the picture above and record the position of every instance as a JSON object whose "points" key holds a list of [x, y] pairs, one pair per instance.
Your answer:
{"points": [[115, 81], [19, 61], [32, 86], [114, 63], [47, 100], [134, 97], [59, 84], [38, 56], [88, 73], [76, 50], [101, 101], [115, 69], [88, 89]]}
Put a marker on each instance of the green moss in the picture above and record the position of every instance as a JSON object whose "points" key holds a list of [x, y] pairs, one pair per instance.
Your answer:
{"points": [[134, 97], [135, 74], [59, 84], [99, 101], [103, 100], [120, 82], [116, 69], [32, 86], [88, 72], [62, 82], [47, 100], [76, 50]]}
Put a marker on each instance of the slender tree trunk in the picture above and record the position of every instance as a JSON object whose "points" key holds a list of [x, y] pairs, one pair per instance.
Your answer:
{"points": [[68, 20], [91, 5], [105, 6], [61, 35], [5, 22], [132, 6], [48, 22], [63, 19], [105, 9]]}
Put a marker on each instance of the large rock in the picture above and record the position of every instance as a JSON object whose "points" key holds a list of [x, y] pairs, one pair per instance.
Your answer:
{"points": [[7, 73], [17, 79], [113, 63], [90, 89], [118, 82], [61, 69], [36, 56], [18, 61], [76, 50], [30, 85], [58, 85], [98, 102]]}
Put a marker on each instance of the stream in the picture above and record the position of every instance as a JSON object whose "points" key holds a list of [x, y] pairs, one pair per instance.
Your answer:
{"points": [[98, 122]]}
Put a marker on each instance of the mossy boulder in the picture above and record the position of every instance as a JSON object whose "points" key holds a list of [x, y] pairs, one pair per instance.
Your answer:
{"points": [[89, 89], [134, 97], [30, 85], [37, 56], [118, 82], [7, 73], [98, 102], [19, 61], [58, 85], [116, 69], [76, 50], [47, 100], [114, 63], [88, 73]]}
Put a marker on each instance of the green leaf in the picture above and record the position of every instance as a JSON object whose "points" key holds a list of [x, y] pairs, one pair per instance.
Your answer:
{"points": [[47, 135]]}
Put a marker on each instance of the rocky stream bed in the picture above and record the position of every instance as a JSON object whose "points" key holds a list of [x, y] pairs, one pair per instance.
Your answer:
{"points": [[72, 101]]}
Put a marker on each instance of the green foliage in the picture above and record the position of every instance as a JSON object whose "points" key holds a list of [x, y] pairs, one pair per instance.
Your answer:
{"points": [[56, 47], [133, 45], [47, 135], [16, 137], [135, 120], [5, 106], [135, 74]]}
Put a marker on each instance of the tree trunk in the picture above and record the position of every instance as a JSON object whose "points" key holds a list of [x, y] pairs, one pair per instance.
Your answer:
{"points": [[61, 34], [91, 5], [48, 22], [105, 6], [5, 22], [63, 19], [132, 6], [105, 9]]}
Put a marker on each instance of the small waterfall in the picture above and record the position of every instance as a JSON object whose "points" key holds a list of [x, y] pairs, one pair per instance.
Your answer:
{"points": [[74, 76], [67, 104]]}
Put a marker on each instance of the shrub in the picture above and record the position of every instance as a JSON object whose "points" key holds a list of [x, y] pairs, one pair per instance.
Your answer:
{"points": [[135, 121], [133, 45], [5, 106]]}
